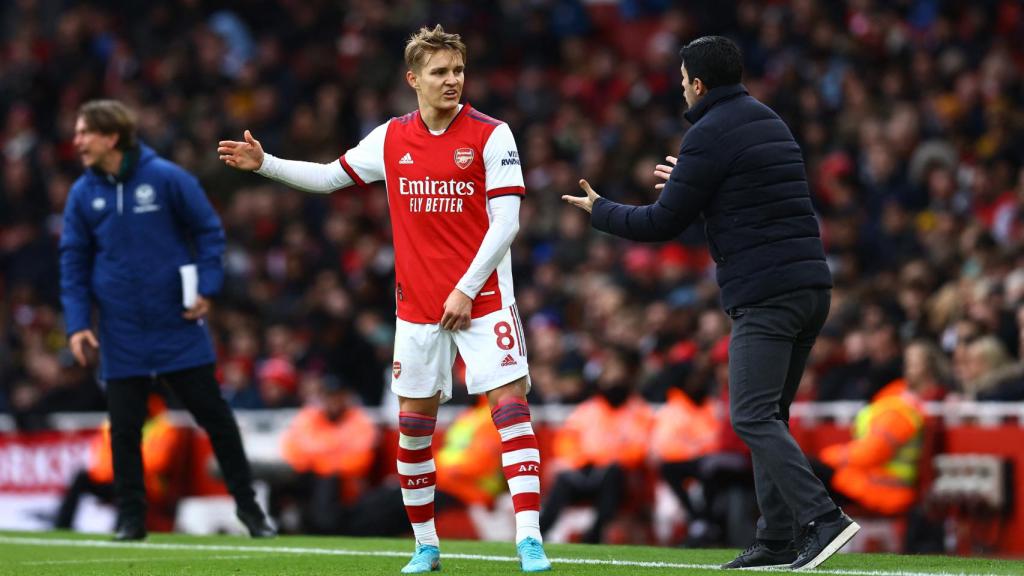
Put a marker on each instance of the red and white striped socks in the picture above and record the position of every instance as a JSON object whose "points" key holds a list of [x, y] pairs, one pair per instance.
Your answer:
{"points": [[417, 473], [520, 459]]}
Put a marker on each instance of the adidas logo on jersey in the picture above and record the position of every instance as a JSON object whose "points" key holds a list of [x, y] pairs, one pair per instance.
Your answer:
{"points": [[508, 361], [407, 159]]}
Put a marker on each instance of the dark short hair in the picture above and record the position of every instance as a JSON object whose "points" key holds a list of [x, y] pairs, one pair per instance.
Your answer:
{"points": [[715, 60], [111, 117]]}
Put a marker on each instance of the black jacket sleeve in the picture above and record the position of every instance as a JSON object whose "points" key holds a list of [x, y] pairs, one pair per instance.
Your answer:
{"points": [[697, 174]]}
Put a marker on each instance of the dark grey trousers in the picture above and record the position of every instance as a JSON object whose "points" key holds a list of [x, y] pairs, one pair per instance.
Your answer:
{"points": [[768, 350]]}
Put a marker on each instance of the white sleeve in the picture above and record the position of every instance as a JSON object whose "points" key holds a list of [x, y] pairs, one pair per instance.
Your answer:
{"points": [[365, 162], [501, 163], [360, 165], [308, 176], [504, 212]]}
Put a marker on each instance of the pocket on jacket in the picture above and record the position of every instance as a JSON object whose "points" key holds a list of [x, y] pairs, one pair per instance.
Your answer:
{"points": [[737, 312]]}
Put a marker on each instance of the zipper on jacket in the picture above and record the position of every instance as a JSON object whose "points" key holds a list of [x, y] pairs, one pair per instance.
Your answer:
{"points": [[120, 195], [716, 254]]}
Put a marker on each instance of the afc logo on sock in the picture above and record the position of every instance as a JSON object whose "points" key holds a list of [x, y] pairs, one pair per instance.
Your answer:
{"points": [[418, 481], [529, 468]]}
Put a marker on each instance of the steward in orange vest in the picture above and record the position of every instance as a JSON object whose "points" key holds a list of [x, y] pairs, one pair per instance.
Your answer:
{"points": [[878, 468], [603, 439], [469, 462], [331, 445]]}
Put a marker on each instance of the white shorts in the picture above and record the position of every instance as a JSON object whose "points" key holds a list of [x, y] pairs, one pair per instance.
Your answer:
{"points": [[493, 348]]}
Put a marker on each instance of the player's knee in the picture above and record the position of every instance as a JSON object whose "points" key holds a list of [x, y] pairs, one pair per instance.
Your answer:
{"points": [[424, 406], [513, 390]]}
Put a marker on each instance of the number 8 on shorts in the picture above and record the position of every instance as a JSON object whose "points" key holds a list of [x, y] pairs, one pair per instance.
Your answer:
{"points": [[493, 348]]}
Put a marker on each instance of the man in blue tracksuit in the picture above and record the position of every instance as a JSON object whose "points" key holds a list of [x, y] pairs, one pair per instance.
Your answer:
{"points": [[131, 220], [740, 167]]}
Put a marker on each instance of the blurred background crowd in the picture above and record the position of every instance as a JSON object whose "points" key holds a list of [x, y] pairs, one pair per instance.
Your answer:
{"points": [[910, 114]]}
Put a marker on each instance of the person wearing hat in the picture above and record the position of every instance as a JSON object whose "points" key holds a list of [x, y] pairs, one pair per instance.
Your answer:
{"points": [[278, 382]]}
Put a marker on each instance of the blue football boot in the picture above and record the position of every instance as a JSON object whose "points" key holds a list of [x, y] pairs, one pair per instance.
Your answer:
{"points": [[532, 556], [426, 559]]}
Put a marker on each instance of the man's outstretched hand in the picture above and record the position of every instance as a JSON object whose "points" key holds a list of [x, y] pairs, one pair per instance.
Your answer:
{"points": [[246, 155], [663, 171], [583, 202]]}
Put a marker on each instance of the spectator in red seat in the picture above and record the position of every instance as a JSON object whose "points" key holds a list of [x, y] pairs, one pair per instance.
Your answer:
{"points": [[989, 373], [927, 370], [603, 440], [278, 382]]}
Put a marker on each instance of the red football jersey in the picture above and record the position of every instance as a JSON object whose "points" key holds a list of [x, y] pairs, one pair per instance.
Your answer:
{"points": [[438, 186]]}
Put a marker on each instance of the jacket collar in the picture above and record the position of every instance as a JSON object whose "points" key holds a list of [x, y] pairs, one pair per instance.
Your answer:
{"points": [[714, 96], [133, 157]]}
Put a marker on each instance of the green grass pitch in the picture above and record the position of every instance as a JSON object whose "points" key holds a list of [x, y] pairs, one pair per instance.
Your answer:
{"points": [[63, 553]]}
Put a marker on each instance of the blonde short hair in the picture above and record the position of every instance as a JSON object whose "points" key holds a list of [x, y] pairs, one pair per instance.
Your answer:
{"points": [[426, 42]]}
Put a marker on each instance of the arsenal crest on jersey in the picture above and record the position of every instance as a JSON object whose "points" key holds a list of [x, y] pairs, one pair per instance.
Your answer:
{"points": [[463, 157], [396, 369]]}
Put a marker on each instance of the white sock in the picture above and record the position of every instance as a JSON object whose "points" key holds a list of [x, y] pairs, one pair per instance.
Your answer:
{"points": [[528, 526], [426, 533]]}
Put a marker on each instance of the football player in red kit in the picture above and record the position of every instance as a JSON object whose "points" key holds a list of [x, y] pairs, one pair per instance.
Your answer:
{"points": [[454, 186]]}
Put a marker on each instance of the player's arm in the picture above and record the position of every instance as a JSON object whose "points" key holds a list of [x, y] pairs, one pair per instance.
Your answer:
{"points": [[502, 231], [696, 173], [360, 165], [504, 190], [504, 225]]}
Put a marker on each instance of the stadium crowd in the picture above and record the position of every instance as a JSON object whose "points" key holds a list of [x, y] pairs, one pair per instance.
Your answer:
{"points": [[909, 115]]}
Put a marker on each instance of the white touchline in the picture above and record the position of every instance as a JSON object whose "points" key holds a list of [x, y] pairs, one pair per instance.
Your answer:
{"points": [[397, 554], [136, 559]]}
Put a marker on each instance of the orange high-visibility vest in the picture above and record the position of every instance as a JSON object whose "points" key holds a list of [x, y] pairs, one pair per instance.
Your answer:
{"points": [[683, 430], [469, 462], [878, 467], [313, 443], [597, 434], [161, 442]]}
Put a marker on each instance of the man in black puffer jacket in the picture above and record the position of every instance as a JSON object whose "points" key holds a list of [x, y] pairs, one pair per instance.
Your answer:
{"points": [[740, 167]]}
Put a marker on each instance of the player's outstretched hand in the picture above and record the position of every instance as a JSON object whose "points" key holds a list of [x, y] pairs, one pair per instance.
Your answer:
{"points": [[584, 202], [246, 155], [664, 171], [457, 311]]}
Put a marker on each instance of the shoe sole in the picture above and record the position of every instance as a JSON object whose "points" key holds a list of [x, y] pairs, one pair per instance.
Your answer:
{"points": [[762, 567], [435, 568], [832, 547]]}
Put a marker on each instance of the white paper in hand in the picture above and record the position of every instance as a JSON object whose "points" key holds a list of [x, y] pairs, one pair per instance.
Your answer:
{"points": [[189, 285]]}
